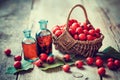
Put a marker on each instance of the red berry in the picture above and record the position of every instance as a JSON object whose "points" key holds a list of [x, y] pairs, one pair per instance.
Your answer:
{"points": [[91, 32], [89, 60], [79, 30], [75, 37], [117, 63], [99, 62], [17, 58], [111, 65], [72, 31], [85, 25], [58, 33], [71, 22], [110, 60], [66, 68], [90, 26], [50, 59], [43, 56], [55, 28], [97, 57], [17, 64], [101, 71], [74, 26], [82, 37], [66, 57], [39, 63], [85, 31], [79, 64], [7, 52], [97, 35], [90, 37], [97, 30]]}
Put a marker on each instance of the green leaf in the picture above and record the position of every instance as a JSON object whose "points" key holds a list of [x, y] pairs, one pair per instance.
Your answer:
{"points": [[25, 66], [57, 63], [110, 52]]}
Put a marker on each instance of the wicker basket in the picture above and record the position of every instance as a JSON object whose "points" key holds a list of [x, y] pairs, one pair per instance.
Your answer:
{"points": [[66, 44]]}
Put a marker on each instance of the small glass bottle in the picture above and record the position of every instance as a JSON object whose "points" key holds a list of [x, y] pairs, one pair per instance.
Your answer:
{"points": [[29, 46], [44, 39]]}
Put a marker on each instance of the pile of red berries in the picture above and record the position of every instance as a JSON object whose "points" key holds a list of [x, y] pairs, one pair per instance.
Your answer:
{"points": [[17, 63], [44, 58], [17, 58], [79, 31], [112, 64]]}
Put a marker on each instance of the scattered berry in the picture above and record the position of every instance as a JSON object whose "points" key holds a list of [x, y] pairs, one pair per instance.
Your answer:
{"points": [[79, 64], [111, 65], [43, 56], [89, 60], [50, 59], [110, 60], [66, 68], [17, 58], [101, 71], [99, 62], [66, 57], [7, 52], [117, 63], [17, 64], [39, 63]]}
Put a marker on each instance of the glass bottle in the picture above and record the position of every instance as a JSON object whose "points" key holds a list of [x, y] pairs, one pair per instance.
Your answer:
{"points": [[44, 39], [29, 46]]}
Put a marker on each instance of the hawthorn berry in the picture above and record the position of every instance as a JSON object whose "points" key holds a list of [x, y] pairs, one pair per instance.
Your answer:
{"points": [[117, 63], [66, 68], [82, 37], [101, 71], [89, 60], [39, 63], [66, 57], [17, 58], [7, 52], [43, 56], [17, 64], [79, 64], [99, 62], [111, 65], [110, 60], [50, 59]]}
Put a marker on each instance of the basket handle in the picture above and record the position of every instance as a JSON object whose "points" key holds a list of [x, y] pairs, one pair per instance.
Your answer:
{"points": [[85, 13]]}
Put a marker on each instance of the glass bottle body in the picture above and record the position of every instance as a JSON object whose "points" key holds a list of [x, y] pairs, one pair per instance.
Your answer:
{"points": [[44, 39], [29, 46]]}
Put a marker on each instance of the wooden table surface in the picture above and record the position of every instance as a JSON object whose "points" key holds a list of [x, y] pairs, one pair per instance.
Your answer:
{"points": [[17, 15]]}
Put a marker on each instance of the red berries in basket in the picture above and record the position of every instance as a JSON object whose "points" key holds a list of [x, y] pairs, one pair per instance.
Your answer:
{"points": [[79, 31]]}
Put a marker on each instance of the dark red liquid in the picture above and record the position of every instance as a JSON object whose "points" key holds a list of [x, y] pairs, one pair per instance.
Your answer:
{"points": [[44, 44], [30, 51]]}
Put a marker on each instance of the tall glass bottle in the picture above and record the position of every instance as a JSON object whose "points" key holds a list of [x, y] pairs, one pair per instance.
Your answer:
{"points": [[44, 38], [29, 46]]}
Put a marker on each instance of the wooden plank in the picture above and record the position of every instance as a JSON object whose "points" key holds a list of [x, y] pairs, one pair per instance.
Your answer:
{"points": [[56, 13], [13, 19], [111, 11]]}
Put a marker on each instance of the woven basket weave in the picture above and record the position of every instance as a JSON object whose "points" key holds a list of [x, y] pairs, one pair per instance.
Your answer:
{"points": [[66, 44]]}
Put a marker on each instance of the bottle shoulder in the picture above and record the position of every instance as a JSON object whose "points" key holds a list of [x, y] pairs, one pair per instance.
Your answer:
{"points": [[28, 40], [43, 32]]}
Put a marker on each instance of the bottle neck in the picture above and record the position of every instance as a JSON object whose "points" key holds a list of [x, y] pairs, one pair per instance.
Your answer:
{"points": [[27, 33], [43, 24]]}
